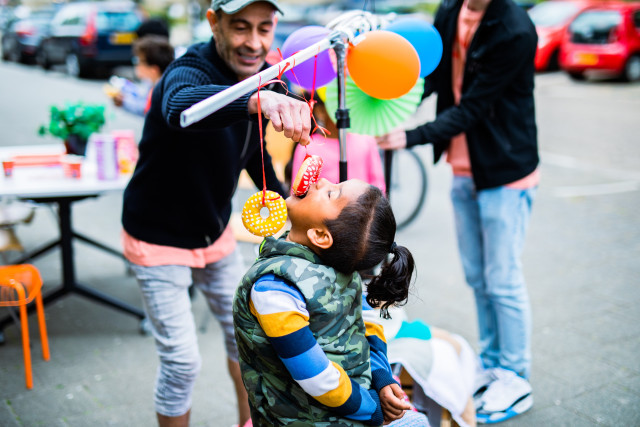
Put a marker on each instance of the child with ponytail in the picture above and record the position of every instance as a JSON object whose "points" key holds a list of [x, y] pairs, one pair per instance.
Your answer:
{"points": [[311, 349]]}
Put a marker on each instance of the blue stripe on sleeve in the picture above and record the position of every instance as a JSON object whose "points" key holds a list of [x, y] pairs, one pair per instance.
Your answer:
{"points": [[377, 344], [353, 404], [308, 364], [360, 406], [269, 282], [379, 361], [367, 407], [294, 343]]}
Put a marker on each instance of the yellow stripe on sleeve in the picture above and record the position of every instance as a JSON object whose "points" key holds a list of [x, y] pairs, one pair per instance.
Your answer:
{"points": [[340, 394], [375, 329], [280, 324]]}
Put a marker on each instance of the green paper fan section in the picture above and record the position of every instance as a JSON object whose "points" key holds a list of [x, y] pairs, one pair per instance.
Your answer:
{"points": [[373, 116]]}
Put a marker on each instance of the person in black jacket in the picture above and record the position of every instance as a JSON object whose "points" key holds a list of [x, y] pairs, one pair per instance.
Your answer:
{"points": [[486, 125], [177, 204]]}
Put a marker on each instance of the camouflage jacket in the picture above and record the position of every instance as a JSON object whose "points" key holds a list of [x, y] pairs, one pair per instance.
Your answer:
{"points": [[335, 318]]}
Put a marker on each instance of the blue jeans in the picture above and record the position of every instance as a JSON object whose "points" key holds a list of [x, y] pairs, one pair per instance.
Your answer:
{"points": [[165, 295], [491, 227]]}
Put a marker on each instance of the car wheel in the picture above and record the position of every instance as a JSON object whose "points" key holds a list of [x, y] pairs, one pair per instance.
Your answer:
{"points": [[42, 59], [15, 55], [74, 67], [576, 75], [632, 69], [5, 51]]}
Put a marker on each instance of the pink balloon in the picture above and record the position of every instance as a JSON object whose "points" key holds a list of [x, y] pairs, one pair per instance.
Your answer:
{"points": [[325, 70]]}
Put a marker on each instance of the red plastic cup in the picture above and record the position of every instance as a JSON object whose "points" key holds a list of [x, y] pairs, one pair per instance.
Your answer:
{"points": [[8, 165], [72, 166]]}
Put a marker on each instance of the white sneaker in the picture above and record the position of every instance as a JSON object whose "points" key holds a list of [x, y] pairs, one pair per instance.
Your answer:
{"points": [[483, 378], [518, 408], [506, 390]]}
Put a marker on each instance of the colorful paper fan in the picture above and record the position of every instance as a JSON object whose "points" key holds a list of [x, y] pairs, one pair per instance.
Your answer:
{"points": [[373, 116]]}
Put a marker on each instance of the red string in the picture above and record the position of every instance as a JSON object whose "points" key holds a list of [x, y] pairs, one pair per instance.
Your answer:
{"points": [[311, 102], [264, 177], [313, 83]]}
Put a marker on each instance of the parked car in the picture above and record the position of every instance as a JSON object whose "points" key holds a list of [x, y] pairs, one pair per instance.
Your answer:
{"points": [[551, 19], [88, 35], [23, 37], [604, 38]]}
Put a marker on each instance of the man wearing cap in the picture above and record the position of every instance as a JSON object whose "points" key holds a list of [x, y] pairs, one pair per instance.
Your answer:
{"points": [[178, 203]]}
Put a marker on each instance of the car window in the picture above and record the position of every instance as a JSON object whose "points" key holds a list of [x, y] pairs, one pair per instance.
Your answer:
{"points": [[117, 21], [73, 20], [60, 17], [636, 20], [552, 14], [595, 26], [69, 16]]}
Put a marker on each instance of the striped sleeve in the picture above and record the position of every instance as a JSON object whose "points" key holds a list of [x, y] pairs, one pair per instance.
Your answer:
{"points": [[380, 369], [281, 311]]}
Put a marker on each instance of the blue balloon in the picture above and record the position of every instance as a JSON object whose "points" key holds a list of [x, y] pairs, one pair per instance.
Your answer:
{"points": [[424, 38]]}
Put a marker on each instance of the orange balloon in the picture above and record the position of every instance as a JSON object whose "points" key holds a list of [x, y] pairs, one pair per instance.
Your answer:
{"points": [[383, 64]]}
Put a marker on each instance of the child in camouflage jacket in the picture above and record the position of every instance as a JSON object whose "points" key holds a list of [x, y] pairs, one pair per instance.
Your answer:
{"points": [[307, 355]]}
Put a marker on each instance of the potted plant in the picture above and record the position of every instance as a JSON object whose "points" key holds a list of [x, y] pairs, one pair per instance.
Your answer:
{"points": [[74, 124]]}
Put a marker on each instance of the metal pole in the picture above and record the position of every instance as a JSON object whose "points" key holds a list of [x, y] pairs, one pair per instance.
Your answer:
{"points": [[208, 106], [342, 114], [388, 161]]}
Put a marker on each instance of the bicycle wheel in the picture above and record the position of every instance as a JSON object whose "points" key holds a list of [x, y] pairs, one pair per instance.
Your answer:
{"points": [[407, 185]]}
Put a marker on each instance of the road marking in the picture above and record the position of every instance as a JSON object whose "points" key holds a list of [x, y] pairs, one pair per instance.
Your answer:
{"points": [[629, 181], [596, 189]]}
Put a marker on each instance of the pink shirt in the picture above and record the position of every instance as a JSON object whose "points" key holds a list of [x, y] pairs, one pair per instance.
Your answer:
{"points": [[363, 158], [458, 152], [150, 255]]}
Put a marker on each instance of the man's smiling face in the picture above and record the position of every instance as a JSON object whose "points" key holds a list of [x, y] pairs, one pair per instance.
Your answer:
{"points": [[244, 38]]}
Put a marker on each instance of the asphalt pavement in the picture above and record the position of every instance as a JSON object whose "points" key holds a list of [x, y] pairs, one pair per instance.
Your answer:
{"points": [[580, 261]]}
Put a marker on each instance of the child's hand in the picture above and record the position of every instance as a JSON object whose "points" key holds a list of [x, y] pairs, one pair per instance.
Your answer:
{"points": [[393, 403], [118, 99]]}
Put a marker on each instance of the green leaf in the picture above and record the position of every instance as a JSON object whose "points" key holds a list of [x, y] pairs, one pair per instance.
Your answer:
{"points": [[74, 119]]}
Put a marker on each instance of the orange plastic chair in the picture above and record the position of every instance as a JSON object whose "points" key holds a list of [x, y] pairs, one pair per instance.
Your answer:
{"points": [[20, 285]]}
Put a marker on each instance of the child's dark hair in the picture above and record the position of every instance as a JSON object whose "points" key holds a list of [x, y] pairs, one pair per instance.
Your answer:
{"points": [[156, 25], [363, 237], [155, 49]]}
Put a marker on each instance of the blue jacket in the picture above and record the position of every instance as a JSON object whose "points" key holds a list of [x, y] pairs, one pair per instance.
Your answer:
{"points": [[497, 110]]}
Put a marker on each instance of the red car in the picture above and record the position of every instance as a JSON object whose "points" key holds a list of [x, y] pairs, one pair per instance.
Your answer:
{"points": [[604, 38], [551, 19]]}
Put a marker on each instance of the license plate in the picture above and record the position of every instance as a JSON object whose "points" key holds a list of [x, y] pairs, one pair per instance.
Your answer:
{"points": [[585, 58], [122, 38]]}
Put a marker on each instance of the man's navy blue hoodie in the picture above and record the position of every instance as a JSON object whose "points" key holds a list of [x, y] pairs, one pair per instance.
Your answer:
{"points": [[180, 192]]}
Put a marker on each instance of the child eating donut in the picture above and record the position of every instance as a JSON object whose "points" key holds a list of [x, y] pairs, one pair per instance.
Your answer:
{"points": [[306, 354]]}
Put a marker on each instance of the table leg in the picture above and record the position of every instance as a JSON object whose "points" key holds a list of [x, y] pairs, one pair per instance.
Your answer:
{"points": [[68, 266], [46, 248], [98, 244], [66, 245]]}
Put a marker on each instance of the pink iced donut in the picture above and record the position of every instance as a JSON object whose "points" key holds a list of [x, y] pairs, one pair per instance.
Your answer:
{"points": [[307, 175]]}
